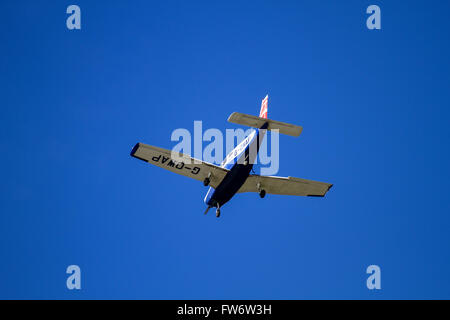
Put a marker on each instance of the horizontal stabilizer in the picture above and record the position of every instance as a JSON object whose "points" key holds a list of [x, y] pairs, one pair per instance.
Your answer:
{"points": [[257, 122]]}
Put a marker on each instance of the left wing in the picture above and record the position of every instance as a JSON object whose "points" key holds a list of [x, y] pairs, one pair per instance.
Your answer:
{"points": [[184, 165], [285, 185]]}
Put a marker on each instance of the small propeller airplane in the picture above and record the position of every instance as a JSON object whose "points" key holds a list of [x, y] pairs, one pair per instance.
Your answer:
{"points": [[233, 175]]}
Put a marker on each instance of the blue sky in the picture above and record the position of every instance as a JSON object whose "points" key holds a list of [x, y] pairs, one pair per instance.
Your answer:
{"points": [[374, 106]]}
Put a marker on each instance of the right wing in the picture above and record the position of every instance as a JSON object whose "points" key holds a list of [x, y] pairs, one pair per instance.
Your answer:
{"points": [[184, 165], [287, 186]]}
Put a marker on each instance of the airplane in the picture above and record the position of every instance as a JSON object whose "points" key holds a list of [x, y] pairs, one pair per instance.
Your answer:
{"points": [[233, 175]]}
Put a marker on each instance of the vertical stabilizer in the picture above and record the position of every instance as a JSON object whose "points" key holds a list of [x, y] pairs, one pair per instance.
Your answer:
{"points": [[264, 107]]}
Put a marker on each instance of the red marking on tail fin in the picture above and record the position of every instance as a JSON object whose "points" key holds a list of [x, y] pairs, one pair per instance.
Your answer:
{"points": [[264, 107]]}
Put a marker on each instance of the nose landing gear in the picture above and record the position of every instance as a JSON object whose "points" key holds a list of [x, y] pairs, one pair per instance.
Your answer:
{"points": [[218, 211]]}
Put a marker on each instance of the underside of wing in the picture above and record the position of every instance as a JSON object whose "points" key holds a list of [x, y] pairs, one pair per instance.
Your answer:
{"points": [[179, 163], [285, 185]]}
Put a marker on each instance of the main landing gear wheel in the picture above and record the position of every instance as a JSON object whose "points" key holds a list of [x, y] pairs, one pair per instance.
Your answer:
{"points": [[262, 193], [206, 182], [218, 212]]}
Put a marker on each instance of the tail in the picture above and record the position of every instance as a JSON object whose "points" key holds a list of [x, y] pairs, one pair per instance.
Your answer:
{"points": [[264, 107], [259, 122]]}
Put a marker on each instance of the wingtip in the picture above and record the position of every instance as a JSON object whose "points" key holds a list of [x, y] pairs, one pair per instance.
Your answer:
{"points": [[231, 117], [299, 131], [321, 195], [329, 187], [133, 151]]}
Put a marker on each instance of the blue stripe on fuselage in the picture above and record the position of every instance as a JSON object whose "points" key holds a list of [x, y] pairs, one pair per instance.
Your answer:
{"points": [[238, 173]]}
